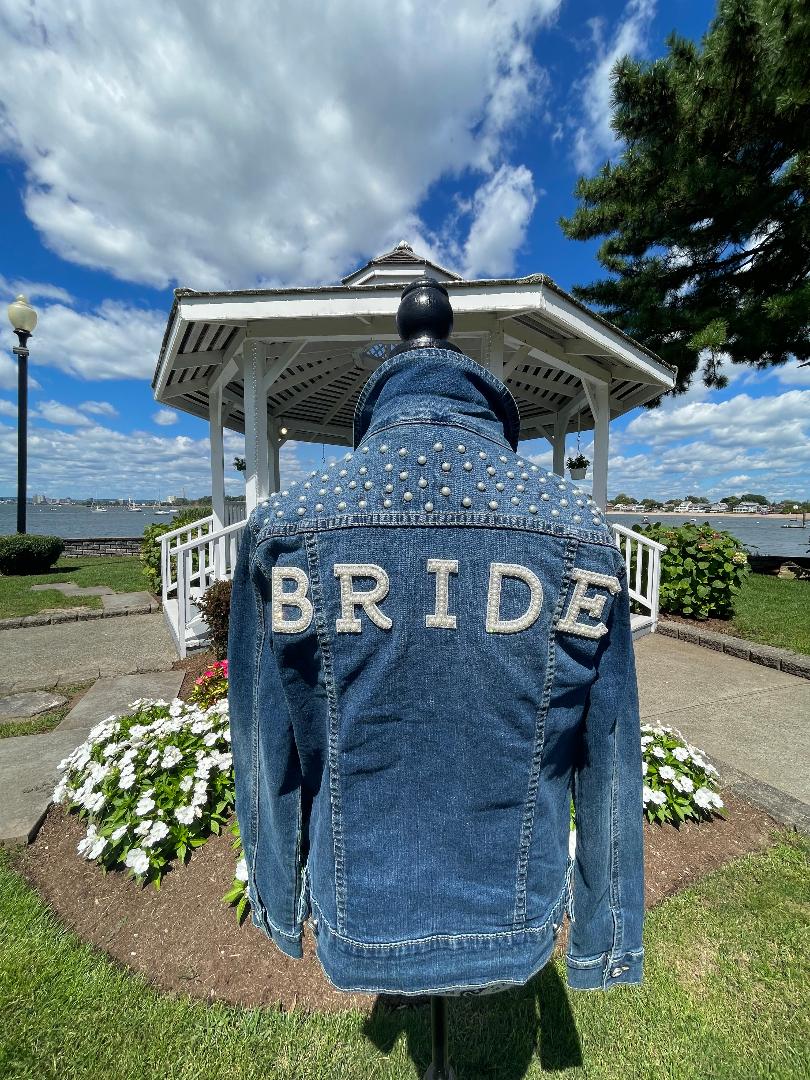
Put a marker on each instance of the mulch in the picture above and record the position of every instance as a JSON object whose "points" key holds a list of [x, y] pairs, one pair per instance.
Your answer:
{"points": [[184, 940], [714, 626]]}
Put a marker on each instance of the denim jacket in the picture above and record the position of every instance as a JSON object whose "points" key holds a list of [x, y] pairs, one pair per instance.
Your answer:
{"points": [[430, 655]]}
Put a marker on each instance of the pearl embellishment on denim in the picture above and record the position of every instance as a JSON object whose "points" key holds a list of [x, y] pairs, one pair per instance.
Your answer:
{"points": [[481, 485], [422, 482], [438, 446], [403, 452], [422, 459], [404, 474], [462, 449], [389, 488], [319, 507], [492, 504], [362, 504], [445, 490], [428, 506], [446, 466], [467, 465], [407, 495], [386, 502], [466, 501], [341, 506]]}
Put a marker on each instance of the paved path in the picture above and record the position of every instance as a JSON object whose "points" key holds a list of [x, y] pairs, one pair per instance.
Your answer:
{"points": [[43, 657], [752, 721], [28, 763]]}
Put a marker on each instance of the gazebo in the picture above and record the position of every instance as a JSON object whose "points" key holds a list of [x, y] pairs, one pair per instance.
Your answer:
{"points": [[280, 364]]}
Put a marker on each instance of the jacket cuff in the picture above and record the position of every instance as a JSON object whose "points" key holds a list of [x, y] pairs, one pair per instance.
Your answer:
{"points": [[604, 972], [289, 943]]}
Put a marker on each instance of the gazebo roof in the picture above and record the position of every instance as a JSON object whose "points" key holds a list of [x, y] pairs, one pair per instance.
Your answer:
{"points": [[320, 354]]}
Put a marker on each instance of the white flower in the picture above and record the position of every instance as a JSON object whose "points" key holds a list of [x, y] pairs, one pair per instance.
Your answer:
{"points": [[156, 833], [241, 870], [152, 758], [680, 753], [186, 814], [119, 832], [658, 797], [647, 793], [137, 731], [126, 779], [143, 827], [644, 768], [710, 768], [659, 752], [704, 797], [111, 749], [60, 790], [96, 847], [666, 772], [683, 783], [138, 860], [94, 803], [171, 756], [144, 805], [211, 738], [646, 740], [699, 761], [87, 841], [186, 783]]}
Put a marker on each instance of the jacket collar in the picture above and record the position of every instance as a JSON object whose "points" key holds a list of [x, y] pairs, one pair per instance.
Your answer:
{"points": [[436, 384]]}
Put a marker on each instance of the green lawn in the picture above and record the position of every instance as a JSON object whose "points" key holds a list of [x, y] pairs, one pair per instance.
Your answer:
{"points": [[773, 611], [123, 573], [726, 987]]}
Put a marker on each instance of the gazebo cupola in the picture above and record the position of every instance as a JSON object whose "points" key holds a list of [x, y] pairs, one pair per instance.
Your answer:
{"points": [[280, 364]]}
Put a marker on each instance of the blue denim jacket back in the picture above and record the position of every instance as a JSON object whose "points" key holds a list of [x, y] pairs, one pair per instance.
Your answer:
{"points": [[429, 655]]}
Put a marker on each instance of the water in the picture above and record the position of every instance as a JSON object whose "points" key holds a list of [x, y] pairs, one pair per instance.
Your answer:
{"points": [[760, 535], [79, 521]]}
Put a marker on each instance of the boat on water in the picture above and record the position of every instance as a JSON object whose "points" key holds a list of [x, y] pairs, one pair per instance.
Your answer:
{"points": [[133, 508], [796, 524]]}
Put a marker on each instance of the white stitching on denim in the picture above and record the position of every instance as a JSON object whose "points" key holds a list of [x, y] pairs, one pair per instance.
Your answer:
{"points": [[347, 622], [497, 572], [527, 821], [338, 853], [296, 598], [442, 568], [594, 605]]}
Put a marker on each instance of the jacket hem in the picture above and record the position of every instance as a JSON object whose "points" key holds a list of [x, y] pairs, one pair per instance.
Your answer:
{"points": [[604, 971], [467, 962], [291, 944]]}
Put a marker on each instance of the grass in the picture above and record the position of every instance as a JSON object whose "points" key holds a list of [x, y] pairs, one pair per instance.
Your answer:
{"points": [[47, 721], [773, 611], [725, 989], [122, 573]]}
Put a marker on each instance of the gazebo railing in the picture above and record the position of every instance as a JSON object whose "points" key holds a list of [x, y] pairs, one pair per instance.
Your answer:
{"points": [[642, 557]]}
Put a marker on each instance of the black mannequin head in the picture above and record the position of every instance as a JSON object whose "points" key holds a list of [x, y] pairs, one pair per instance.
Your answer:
{"points": [[424, 316]]}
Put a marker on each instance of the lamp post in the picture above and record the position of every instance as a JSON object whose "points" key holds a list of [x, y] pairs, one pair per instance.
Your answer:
{"points": [[23, 319]]}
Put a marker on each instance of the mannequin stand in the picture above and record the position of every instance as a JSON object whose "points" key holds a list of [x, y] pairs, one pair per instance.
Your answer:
{"points": [[439, 1066]]}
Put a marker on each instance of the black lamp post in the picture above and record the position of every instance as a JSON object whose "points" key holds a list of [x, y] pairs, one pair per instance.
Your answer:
{"points": [[23, 319]]}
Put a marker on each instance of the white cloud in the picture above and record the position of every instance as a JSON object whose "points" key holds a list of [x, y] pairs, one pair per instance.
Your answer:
{"points": [[792, 374], [594, 139], [165, 417], [115, 341], [99, 408], [98, 460], [502, 209], [228, 145], [32, 290], [8, 408], [55, 412]]}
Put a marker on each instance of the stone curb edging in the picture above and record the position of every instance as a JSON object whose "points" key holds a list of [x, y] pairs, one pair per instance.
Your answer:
{"points": [[781, 659], [784, 808], [80, 615]]}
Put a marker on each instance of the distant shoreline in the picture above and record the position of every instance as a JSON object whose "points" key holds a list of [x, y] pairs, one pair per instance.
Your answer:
{"points": [[701, 514]]}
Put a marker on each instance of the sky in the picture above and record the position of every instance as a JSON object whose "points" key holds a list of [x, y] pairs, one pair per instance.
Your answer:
{"points": [[262, 143]]}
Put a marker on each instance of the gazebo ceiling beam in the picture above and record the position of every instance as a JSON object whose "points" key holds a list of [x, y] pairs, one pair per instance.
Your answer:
{"points": [[331, 432], [552, 354], [202, 382], [198, 359], [315, 387], [519, 356], [584, 348], [341, 401], [539, 382], [282, 362]]}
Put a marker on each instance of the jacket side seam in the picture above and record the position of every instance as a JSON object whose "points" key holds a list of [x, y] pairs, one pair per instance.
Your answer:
{"points": [[329, 679], [530, 809], [615, 885]]}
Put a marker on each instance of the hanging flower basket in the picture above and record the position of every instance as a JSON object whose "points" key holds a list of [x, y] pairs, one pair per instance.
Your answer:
{"points": [[578, 466]]}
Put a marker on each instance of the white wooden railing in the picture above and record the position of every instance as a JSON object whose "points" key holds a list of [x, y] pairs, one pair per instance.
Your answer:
{"points": [[184, 582], [642, 557]]}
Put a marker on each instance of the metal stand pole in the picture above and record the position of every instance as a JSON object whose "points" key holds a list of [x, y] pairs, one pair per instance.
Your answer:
{"points": [[439, 1066]]}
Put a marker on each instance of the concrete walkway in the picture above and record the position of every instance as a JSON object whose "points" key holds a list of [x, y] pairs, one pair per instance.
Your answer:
{"points": [[43, 657], [751, 721], [28, 763]]}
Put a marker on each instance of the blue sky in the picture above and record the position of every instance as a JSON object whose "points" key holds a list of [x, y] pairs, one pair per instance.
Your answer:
{"points": [[233, 146]]}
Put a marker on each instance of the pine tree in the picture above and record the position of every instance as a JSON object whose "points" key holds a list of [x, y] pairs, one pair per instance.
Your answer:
{"points": [[706, 213]]}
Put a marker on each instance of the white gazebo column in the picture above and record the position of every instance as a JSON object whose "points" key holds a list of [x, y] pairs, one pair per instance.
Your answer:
{"points": [[273, 447], [558, 457], [217, 459], [253, 365], [599, 395]]}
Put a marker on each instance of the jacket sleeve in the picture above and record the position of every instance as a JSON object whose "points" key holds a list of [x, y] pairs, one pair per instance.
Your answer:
{"points": [[605, 933], [266, 770]]}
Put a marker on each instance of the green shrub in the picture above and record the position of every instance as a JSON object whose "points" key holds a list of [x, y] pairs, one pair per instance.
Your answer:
{"points": [[26, 553], [150, 546], [215, 608], [701, 570]]}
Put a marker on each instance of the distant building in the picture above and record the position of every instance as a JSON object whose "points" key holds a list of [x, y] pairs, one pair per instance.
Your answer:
{"points": [[747, 508], [718, 508]]}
